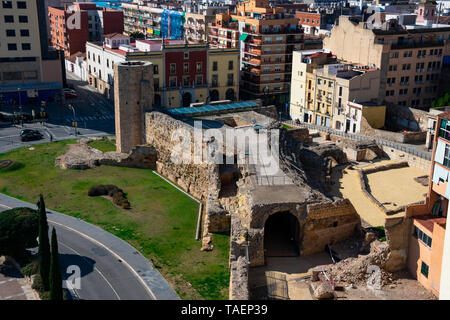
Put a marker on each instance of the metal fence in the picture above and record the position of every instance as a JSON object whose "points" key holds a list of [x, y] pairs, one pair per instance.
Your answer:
{"points": [[358, 137]]}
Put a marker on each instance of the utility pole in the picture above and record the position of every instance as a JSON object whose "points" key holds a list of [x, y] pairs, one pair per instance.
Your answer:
{"points": [[74, 118]]}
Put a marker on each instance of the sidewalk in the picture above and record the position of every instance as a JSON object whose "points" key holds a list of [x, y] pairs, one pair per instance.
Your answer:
{"points": [[13, 285]]}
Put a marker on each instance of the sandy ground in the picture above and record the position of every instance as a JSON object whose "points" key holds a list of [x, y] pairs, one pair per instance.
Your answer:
{"points": [[397, 186], [403, 288]]}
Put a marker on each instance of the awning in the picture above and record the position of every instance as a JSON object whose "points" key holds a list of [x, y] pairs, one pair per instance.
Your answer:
{"points": [[156, 32], [243, 36]]}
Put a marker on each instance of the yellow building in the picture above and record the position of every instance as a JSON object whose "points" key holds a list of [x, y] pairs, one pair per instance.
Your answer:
{"points": [[223, 67], [321, 87]]}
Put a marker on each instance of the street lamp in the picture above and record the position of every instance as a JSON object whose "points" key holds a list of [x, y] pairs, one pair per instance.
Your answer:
{"points": [[74, 117], [266, 92], [20, 107]]}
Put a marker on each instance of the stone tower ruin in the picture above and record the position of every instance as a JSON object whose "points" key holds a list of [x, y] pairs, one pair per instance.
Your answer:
{"points": [[133, 92]]}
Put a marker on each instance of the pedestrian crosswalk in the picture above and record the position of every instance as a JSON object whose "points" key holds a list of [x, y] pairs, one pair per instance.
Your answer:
{"points": [[92, 118]]}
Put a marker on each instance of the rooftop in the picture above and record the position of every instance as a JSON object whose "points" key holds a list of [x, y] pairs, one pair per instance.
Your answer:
{"points": [[229, 107]]}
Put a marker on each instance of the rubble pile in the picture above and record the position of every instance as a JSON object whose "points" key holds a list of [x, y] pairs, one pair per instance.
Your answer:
{"points": [[357, 270]]}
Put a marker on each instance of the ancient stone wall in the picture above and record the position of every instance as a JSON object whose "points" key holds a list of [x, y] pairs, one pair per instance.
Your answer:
{"points": [[162, 132], [413, 161], [398, 136], [133, 92]]}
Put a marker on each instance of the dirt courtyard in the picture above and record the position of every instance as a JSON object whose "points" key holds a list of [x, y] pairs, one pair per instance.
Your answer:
{"points": [[396, 187], [390, 186]]}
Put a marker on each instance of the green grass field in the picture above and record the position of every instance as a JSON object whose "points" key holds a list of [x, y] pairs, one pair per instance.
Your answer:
{"points": [[103, 145], [161, 223]]}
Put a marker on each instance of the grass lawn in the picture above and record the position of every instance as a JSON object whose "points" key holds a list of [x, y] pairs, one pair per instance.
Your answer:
{"points": [[161, 223], [104, 145], [287, 127]]}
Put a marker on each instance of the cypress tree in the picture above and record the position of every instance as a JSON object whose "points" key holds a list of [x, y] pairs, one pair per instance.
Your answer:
{"points": [[56, 290], [44, 245]]}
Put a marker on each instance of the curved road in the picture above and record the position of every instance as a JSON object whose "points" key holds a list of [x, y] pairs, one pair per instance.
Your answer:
{"points": [[103, 276], [109, 268]]}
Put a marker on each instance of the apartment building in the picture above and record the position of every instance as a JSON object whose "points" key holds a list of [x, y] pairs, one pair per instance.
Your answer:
{"points": [[322, 89], [427, 237], [266, 37], [29, 71], [183, 73], [197, 20], [153, 22], [72, 26], [410, 57]]}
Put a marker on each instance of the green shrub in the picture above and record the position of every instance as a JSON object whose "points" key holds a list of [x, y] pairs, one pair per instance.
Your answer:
{"points": [[31, 268], [38, 285], [45, 295]]}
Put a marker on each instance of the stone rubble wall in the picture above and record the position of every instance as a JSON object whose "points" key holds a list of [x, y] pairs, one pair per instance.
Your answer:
{"points": [[81, 156], [200, 180]]}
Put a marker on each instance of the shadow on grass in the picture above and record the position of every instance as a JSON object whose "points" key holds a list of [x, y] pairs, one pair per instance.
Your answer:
{"points": [[13, 167]]}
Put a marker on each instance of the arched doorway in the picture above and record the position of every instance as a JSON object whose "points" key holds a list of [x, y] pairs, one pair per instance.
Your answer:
{"points": [[214, 95], [229, 95], [187, 98], [281, 235]]}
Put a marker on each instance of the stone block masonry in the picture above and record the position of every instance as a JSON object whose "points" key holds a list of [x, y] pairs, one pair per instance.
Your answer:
{"points": [[133, 94]]}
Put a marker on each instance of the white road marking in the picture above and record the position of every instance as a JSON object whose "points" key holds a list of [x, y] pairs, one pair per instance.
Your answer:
{"points": [[112, 252], [95, 268]]}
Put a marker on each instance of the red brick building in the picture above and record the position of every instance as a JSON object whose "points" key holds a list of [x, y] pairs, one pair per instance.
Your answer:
{"points": [[72, 26], [308, 18]]}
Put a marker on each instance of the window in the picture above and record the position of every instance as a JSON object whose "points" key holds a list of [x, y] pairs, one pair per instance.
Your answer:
{"points": [[23, 19], [7, 4], [447, 156], [419, 234], [424, 269], [214, 65], [12, 46], [198, 79], [26, 46], [199, 67], [230, 79], [30, 75], [186, 81], [406, 66], [393, 67], [155, 69], [390, 93], [156, 84], [107, 63], [403, 92], [230, 65], [21, 5], [10, 33], [24, 33], [340, 91], [186, 67], [9, 19], [186, 55], [172, 81], [12, 76], [173, 68], [394, 55], [215, 80]]}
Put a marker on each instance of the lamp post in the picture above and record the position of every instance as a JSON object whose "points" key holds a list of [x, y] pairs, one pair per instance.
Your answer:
{"points": [[20, 107], [266, 92], [74, 118]]}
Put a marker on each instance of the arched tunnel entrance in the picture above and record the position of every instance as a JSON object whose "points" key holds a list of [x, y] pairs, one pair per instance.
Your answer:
{"points": [[282, 235]]}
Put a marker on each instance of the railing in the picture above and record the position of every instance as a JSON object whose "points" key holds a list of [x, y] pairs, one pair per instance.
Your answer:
{"points": [[358, 137]]}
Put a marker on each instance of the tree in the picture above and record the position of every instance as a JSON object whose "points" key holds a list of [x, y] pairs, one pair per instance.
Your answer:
{"points": [[137, 35], [44, 245], [56, 291], [18, 231]]}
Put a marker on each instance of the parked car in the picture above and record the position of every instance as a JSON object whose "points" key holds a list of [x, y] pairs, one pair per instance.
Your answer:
{"points": [[70, 93], [29, 135]]}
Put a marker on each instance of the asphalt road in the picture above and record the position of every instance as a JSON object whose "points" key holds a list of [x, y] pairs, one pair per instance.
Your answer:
{"points": [[103, 276]]}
